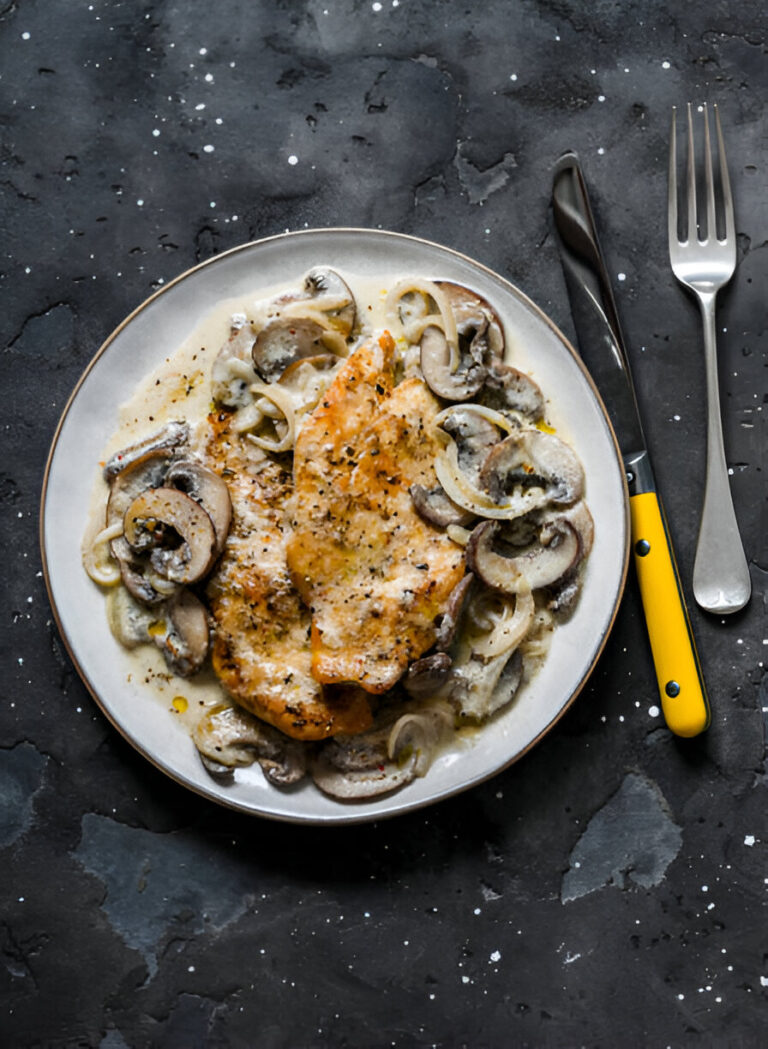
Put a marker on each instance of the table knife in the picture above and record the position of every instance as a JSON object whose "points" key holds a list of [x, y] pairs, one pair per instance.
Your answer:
{"points": [[681, 685]]}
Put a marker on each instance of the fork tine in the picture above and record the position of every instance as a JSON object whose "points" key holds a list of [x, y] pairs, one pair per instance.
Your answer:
{"points": [[710, 181], [672, 186], [692, 226], [730, 230]]}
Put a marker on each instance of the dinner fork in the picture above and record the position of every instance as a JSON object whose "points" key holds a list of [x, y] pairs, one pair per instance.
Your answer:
{"points": [[705, 262]]}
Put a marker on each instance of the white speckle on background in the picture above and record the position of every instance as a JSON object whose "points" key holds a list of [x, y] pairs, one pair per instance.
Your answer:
{"points": [[200, 105], [376, 6], [665, 65], [208, 148], [621, 276], [495, 956], [25, 36], [293, 159], [156, 132], [749, 839], [209, 78]]}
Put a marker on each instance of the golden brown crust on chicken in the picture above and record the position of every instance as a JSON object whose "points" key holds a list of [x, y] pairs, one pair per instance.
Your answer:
{"points": [[374, 573], [261, 650]]}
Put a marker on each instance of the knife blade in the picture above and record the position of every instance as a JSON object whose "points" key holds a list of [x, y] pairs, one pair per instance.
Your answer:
{"points": [[683, 694]]}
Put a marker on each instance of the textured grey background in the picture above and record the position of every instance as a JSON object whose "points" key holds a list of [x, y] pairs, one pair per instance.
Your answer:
{"points": [[610, 888]]}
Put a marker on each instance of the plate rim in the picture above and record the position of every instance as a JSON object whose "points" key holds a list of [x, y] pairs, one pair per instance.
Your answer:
{"points": [[346, 815]]}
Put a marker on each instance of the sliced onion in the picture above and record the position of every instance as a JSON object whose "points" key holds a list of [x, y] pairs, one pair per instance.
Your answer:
{"points": [[421, 730], [247, 418], [458, 488], [489, 414], [444, 318], [458, 534], [509, 629], [283, 400], [317, 309], [97, 558]]}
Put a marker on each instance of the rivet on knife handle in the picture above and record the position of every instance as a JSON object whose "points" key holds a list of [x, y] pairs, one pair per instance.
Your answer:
{"points": [[681, 685]]}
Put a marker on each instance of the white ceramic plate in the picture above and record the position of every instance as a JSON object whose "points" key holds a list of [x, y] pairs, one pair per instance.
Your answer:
{"points": [[161, 324]]}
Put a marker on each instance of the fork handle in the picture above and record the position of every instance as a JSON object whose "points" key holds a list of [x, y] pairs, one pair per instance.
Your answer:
{"points": [[721, 581]]}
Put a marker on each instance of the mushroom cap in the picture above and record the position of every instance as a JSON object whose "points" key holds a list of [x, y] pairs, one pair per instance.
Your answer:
{"points": [[481, 687], [474, 437], [533, 468], [459, 385], [129, 620], [207, 489], [160, 515], [435, 506], [475, 317], [172, 437], [427, 676], [145, 471], [185, 641], [283, 341], [229, 737], [449, 623], [552, 556], [322, 282], [508, 390]]}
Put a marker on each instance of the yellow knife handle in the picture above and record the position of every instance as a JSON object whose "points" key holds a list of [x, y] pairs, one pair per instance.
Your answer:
{"points": [[681, 685]]}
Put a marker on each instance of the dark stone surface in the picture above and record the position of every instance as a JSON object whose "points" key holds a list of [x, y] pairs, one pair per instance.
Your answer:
{"points": [[139, 138]]}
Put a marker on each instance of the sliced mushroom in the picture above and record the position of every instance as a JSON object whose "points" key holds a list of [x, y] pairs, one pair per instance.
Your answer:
{"points": [[451, 618], [565, 592], [229, 738], [140, 580], [283, 341], [458, 385], [427, 676], [207, 489], [476, 321], [530, 469], [550, 558], [179, 628], [172, 437], [323, 283], [508, 390], [434, 506], [183, 636], [354, 767], [399, 748], [481, 687], [148, 471], [175, 530], [483, 667], [128, 619], [474, 436]]}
